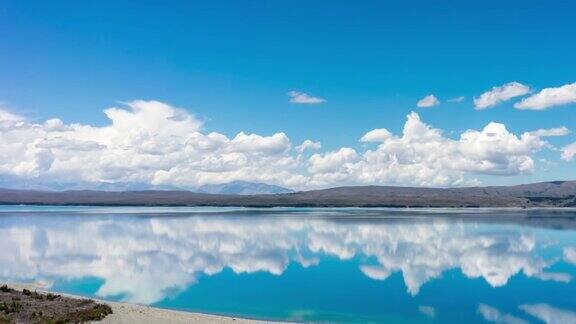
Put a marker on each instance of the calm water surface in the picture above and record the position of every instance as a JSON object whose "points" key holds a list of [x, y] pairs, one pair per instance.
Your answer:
{"points": [[323, 265]]}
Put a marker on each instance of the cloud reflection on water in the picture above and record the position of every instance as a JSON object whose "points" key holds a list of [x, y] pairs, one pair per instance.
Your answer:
{"points": [[144, 259], [550, 314], [494, 315]]}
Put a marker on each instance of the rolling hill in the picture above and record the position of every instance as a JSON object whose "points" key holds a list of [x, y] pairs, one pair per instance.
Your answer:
{"points": [[544, 194]]}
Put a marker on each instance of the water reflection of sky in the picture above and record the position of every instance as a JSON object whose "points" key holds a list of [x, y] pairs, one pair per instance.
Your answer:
{"points": [[294, 266]]}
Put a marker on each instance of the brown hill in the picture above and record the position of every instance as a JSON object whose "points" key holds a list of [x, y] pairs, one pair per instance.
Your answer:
{"points": [[544, 194]]}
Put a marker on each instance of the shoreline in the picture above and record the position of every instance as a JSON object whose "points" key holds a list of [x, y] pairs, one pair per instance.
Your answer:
{"points": [[125, 313], [284, 207]]}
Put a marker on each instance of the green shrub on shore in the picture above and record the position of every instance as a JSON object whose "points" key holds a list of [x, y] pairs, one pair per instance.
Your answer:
{"points": [[9, 308], [33, 294], [5, 289], [28, 306], [97, 313], [52, 296]]}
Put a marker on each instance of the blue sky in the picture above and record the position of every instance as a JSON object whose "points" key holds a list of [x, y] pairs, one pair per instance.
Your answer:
{"points": [[232, 63]]}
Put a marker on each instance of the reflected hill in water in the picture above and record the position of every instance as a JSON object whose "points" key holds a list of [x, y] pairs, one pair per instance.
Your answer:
{"points": [[544, 194]]}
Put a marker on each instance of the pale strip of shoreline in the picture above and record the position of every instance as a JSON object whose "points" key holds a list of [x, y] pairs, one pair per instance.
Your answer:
{"points": [[125, 313]]}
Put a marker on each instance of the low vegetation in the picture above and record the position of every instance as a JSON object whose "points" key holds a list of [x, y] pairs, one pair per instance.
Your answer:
{"points": [[28, 306]]}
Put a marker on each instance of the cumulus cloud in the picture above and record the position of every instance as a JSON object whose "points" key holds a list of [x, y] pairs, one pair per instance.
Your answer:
{"points": [[422, 155], [145, 142], [304, 98], [333, 161], [275, 144], [428, 101], [308, 145], [158, 145], [499, 94], [549, 97], [550, 314]]}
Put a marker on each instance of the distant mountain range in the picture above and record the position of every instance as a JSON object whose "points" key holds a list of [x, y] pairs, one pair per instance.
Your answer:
{"points": [[243, 188], [230, 188], [544, 194]]}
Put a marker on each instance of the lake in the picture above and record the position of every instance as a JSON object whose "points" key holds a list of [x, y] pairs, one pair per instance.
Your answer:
{"points": [[297, 264]]}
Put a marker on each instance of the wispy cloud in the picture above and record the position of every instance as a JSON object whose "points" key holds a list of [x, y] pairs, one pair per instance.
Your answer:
{"points": [[304, 98], [549, 97], [457, 99], [500, 94], [551, 132], [428, 101]]}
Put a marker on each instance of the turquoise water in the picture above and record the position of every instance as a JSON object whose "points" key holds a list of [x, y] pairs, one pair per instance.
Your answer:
{"points": [[319, 265]]}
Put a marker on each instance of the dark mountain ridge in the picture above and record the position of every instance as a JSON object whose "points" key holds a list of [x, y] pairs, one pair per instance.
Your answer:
{"points": [[543, 194]]}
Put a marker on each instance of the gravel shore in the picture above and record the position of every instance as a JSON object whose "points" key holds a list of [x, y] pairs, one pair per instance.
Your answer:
{"points": [[125, 313]]}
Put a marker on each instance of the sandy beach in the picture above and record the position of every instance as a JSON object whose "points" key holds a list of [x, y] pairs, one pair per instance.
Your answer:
{"points": [[125, 313], [129, 313]]}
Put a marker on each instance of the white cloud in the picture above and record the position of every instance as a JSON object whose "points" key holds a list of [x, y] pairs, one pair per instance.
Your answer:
{"points": [[428, 101], [549, 314], [147, 142], [555, 276], [252, 143], [332, 161], [376, 135], [499, 94], [569, 151], [549, 97], [423, 156], [457, 99], [8, 116], [308, 145], [154, 144], [493, 315], [558, 131], [304, 98]]}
